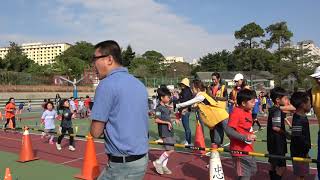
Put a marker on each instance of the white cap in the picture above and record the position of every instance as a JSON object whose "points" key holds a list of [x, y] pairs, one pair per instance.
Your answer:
{"points": [[238, 77], [316, 73]]}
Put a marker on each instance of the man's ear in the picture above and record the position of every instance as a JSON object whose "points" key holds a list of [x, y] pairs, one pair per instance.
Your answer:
{"points": [[110, 60]]}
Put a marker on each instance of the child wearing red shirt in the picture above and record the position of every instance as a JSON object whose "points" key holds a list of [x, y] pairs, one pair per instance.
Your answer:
{"points": [[241, 121], [10, 111]]}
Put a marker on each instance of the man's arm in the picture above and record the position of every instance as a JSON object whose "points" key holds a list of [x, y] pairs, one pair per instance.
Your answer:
{"points": [[96, 128], [103, 103]]}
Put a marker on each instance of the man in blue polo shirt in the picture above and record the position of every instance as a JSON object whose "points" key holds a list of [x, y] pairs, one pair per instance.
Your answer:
{"points": [[120, 112]]}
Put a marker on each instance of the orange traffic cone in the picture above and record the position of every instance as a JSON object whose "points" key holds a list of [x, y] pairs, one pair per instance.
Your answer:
{"points": [[8, 175], [90, 169], [26, 153], [199, 138]]}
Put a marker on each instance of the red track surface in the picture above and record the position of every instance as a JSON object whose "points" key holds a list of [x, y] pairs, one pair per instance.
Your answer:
{"points": [[183, 165]]}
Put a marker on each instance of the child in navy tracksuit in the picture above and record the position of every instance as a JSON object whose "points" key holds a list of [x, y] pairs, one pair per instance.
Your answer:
{"points": [[66, 125]]}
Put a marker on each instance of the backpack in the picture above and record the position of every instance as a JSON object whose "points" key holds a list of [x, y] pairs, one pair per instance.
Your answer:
{"points": [[211, 114]]}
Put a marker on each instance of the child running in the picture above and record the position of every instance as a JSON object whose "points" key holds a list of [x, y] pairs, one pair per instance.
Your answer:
{"points": [[300, 140], [10, 112], [66, 125], [255, 112], [47, 118], [29, 106], [165, 130], [241, 121], [276, 133]]}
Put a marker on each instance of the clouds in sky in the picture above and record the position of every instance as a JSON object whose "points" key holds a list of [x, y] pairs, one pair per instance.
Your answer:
{"points": [[145, 24]]}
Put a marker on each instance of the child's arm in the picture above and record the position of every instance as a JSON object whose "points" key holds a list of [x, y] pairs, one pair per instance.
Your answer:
{"points": [[288, 122], [288, 108], [159, 121], [196, 99], [232, 133]]}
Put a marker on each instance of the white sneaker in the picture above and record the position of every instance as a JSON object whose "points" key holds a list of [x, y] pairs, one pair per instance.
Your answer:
{"points": [[166, 170], [58, 147], [43, 134], [71, 148], [186, 143], [159, 141], [158, 167]]}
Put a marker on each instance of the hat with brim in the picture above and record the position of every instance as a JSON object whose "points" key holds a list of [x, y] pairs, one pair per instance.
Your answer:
{"points": [[316, 73], [185, 82]]}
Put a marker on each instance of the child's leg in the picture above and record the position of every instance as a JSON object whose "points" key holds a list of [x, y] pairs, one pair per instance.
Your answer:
{"points": [[14, 121], [165, 161], [258, 123], [63, 132], [8, 120], [71, 139]]}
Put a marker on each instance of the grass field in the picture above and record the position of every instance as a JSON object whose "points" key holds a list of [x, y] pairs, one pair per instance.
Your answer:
{"points": [[21, 171]]}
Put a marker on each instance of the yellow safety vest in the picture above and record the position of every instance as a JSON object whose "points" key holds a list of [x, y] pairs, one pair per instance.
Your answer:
{"points": [[211, 114], [316, 101]]}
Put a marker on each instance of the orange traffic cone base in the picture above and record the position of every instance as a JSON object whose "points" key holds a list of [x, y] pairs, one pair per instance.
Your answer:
{"points": [[33, 159]]}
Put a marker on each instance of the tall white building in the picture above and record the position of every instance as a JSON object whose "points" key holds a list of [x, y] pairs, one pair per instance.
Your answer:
{"points": [[173, 59], [309, 45], [40, 53]]}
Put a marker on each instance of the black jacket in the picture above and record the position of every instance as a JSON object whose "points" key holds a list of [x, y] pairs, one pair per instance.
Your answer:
{"points": [[184, 96]]}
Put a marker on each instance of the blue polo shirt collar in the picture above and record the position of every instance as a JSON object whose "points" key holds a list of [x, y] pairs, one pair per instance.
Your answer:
{"points": [[120, 69]]}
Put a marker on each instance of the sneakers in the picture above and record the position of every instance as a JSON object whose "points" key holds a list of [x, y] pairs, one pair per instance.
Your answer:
{"points": [[71, 148], [159, 141], [158, 167], [58, 147], [51, 141], [43, 134], [166, 170]]}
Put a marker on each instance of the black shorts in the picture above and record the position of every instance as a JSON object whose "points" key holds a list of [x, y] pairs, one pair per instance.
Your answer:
{"points": [[277, 162], [264, 106], [254, 116]]}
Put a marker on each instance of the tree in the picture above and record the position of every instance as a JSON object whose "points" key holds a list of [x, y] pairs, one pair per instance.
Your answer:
{"points": [[16, 59], [218, 61], [74, 60], [153, 55], [248, 33], [143, 67], [253, 59], [127, 56], [279, 34], [178, 69]]}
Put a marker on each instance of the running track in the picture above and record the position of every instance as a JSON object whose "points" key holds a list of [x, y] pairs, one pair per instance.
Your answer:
{"points": [[185, 166]]}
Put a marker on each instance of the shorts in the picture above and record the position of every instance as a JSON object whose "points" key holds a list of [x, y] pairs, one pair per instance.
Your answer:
{"points": [[300, 168], [170, 140], [277, 162], [245, 165], [264, 106], [254, 116], [50, 131]]}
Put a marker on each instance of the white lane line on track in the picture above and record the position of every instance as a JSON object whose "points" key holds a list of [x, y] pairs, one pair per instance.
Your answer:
{"points": [[66, 162]]}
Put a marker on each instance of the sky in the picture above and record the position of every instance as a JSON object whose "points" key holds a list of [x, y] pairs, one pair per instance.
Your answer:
{"points": [[188, 28]]}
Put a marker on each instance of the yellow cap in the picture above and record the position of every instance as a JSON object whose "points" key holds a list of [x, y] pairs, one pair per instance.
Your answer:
{"points": [[185, 81]]}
